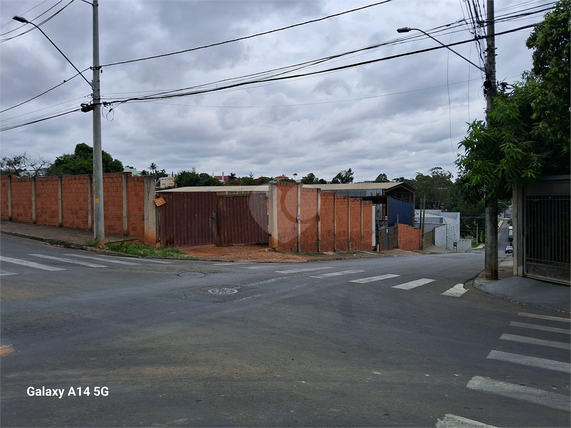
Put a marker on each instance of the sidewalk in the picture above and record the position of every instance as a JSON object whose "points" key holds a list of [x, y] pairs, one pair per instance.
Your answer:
{"points": [[532, 292], [514, 288], [64, 236]]}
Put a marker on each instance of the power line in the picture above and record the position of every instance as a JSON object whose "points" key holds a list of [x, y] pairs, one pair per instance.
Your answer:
{"points": [[312, 21], [281, 78], [40, 24]]}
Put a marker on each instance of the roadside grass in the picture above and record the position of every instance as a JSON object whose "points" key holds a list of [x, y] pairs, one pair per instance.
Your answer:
{"points": [[142, 250]]}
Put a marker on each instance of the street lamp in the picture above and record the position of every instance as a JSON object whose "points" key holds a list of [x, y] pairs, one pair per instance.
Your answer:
{"points": [[408, 29], [491, 203], [98, 211], [25, 21]]}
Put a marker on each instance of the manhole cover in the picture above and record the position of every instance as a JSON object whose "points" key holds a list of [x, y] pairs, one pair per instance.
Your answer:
{"points": [[223, 291], [192, 275]]}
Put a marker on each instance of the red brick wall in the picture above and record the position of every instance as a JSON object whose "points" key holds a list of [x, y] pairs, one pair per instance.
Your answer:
{"points": [[47, 204], [410, 239], [327, 222], [75, 202], [287, 216], [21, 199], [136, 205], [308, 209], [334, 213]]}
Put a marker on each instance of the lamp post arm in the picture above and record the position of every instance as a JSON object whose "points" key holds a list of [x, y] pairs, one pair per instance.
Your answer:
{"points": [[25, 21], [407, 29]]}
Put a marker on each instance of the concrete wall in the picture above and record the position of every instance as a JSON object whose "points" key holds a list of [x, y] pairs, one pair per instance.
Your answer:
{"points": [[309, 220], [68, 202]]}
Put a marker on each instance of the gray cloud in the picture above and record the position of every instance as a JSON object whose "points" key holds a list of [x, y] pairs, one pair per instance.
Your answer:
{"points": [[398, 117]]}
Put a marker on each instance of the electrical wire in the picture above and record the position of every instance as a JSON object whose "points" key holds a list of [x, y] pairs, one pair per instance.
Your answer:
{"points": [[281, 78], [32, 20], [279, 74], [43, 93], [312, 21]]}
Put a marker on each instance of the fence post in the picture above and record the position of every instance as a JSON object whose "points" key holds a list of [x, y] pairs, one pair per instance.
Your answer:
{"points": [[34, 216], [319, 220], [89, 202], [298, 217], [60, 200], [125, 204], [150, 232], [335, 221], [349, 223], [362, 225], [10, 197], [273, 215]]}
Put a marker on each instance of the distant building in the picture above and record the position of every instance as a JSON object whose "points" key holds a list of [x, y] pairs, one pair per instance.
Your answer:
{"points": [[166, 182], [133, 171]]}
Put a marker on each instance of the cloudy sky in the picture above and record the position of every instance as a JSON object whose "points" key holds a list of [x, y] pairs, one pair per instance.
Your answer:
{"points": [[380, 110]]}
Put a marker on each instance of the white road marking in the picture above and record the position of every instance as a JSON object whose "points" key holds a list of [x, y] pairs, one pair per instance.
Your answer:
{"points": [[29, 264], [534, 341], [539, 327], [520, 392], [544, 317], [104, 259], [4, 273], [63, 259], [303, 270], [413, 284], [374, 278], [525, 360], [453, 421], [457, 291], [343, 272], [158, 261]]}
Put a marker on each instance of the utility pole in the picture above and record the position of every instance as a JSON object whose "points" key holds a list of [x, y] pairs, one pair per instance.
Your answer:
{"points": [[98, 210], [491, 202]]}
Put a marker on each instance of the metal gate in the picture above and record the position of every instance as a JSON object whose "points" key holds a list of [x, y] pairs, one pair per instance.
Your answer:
{"points": [[187, 218], [547, 237], [242, 219], [203, 218], [388, 238]]}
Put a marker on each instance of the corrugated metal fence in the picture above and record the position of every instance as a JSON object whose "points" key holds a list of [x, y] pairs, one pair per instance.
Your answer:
{"points": [[196, 218]]}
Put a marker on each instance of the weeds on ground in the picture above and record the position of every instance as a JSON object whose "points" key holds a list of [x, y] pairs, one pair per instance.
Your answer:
{"points": [[142, 250]]}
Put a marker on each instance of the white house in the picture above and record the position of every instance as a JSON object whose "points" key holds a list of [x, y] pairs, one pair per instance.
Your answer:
{"points": [[446, 226]]}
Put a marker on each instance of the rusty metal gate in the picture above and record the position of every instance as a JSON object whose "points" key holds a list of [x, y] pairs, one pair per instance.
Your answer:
{"points": [[187, 218], [196, 218], [242, 219], [387, 238]]}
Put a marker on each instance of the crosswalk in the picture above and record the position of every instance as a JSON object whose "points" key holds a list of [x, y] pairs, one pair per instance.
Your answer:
{"points": [[42, 262], [524, 346], [324, 272]]}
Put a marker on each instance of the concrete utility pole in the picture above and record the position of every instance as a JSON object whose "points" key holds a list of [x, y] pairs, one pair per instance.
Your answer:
{"points": [[491, 213], [98, 210]]}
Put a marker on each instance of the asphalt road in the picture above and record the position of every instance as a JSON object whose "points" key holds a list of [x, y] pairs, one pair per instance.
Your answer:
{"points": [[370, 342]]}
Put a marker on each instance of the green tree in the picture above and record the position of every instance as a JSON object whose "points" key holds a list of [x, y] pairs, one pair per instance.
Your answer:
{"points": [[191, 178], [344, 177], [15, 165], [382, 178], [527, 134], [81, 162], [550, 43], [186, 178], [435, 187], [310, 179]]}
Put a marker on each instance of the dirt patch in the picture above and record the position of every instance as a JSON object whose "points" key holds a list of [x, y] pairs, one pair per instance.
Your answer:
{"points": [[241, 253], [263, 253]]}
